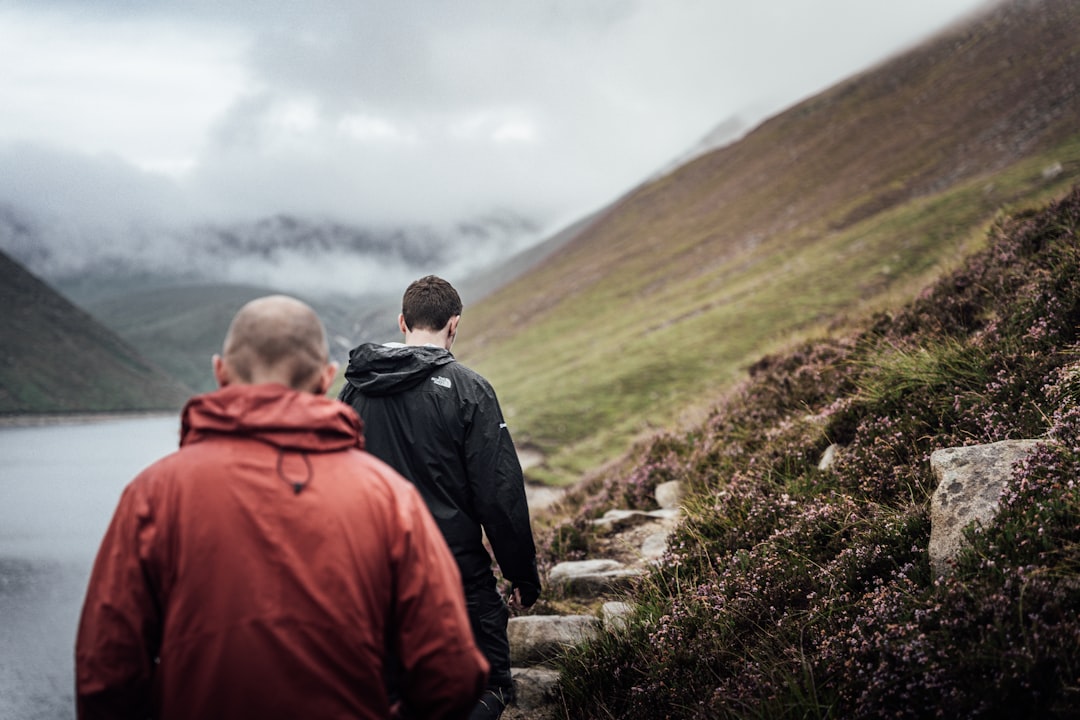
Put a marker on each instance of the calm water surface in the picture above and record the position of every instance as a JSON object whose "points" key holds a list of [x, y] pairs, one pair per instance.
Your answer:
{"points": [[58, 487]]}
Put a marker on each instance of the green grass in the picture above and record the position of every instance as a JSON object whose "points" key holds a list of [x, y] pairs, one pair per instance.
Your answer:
{"points": [[57, 359], [626, 356]]}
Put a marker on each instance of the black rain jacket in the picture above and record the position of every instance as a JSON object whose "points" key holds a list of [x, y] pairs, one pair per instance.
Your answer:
{"points": [[439, 424]]}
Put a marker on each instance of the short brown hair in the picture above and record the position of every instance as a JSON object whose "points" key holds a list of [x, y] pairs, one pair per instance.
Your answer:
{"points": [[429, 303]]}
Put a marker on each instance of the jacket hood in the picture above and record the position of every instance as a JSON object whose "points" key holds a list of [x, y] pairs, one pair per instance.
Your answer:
{"points": [[377, 370], [274, 414]]}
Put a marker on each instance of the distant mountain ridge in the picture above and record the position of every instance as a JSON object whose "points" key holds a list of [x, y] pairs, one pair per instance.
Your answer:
{"points": [[171, 298], [180, 327], [286, 251], [58, 359], [281, 235]]}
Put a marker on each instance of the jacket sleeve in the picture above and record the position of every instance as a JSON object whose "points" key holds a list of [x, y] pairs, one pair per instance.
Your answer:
{"points": [[498, 489], [120, 628], [444, 671]]}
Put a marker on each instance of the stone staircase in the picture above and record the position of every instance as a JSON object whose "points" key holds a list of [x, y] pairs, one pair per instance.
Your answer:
{"points": [[630, 539]]}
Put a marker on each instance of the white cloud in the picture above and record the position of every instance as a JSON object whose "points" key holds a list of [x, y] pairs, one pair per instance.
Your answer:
{"points": [[514, 131], [499, 126], [411, 111], [296, 117], [144, 92], [368, 129]]}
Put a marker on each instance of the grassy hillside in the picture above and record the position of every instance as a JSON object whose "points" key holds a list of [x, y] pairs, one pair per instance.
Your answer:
{"points": [[851, 201], [58, 359], [181, 327], [792, 591]]}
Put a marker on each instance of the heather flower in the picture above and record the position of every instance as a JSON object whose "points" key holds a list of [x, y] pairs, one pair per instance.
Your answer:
{"points": [[788, 591]]}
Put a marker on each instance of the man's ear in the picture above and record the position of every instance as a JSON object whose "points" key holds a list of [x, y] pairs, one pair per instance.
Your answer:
{"points": [[221, 371], [401, 324], [326, 378], [452, 331]]}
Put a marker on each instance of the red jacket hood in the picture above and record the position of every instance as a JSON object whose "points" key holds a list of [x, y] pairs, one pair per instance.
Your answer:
{"points": [[274, 414]]}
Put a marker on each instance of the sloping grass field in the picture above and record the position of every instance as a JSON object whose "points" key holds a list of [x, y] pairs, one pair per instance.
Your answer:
{"points": [[583, 378]]}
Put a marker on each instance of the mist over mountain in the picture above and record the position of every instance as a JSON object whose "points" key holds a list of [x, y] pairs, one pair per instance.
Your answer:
{"points": [[286, 252]]}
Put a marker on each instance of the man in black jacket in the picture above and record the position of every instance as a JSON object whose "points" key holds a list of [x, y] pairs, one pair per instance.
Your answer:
{"points": [[439, 424]]}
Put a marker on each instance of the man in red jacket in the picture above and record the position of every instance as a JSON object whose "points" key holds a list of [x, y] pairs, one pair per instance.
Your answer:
{"points": [[267, 567]]}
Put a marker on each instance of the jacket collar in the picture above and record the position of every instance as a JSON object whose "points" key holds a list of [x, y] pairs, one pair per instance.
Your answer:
{"points": [[273, 414]]}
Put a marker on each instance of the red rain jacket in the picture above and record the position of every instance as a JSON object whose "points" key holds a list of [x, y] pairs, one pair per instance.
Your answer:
{"points": [[262, 570]]}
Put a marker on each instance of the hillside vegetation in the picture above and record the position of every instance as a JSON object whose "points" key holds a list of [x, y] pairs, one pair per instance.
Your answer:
{"points": [[176, 312], [58, 359], [792, 591], [849, 202], [180, 327]]}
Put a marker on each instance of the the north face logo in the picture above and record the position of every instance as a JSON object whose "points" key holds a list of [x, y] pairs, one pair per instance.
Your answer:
{"points": [[441, 381]]}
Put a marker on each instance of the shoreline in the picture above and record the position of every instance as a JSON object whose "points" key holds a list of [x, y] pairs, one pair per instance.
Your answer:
{"points": [[80, 418]]}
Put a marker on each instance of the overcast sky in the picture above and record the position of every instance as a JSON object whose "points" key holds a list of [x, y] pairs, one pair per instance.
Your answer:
{"points": [[404, 110]]}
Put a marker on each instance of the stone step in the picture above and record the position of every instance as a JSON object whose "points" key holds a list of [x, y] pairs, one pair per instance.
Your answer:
{"points": [[592, 578], [655, 544], [613, 614], [669, 494], [618, 520], [534, 687], [535, 639]]}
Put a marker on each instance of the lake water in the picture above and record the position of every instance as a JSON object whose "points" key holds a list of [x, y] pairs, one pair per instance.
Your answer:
{"points": [[59, 485]]}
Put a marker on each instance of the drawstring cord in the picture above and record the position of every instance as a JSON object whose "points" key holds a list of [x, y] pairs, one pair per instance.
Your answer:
{"points": [[296, 486]]}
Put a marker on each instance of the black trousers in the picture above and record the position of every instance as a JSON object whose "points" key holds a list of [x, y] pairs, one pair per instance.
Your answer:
{"points": [[489, 615]]}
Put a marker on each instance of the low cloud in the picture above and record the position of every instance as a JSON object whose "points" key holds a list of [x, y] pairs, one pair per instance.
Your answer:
{"points": [[98, 216], [132, 121]]}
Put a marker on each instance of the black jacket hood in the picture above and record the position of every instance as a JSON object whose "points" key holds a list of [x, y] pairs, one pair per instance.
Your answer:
{"points": [[379, 370], [439, 424]]}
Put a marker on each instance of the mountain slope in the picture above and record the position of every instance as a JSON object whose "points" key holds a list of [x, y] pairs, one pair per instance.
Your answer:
{"points": [[58, 359], [172, 295], [848, 201], [803, 581], [180, 327]]}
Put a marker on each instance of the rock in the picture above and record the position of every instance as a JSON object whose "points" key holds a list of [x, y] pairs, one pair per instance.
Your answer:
{"points": [[534, 687], [542, 496], [573, 568], [589, 578], [621, 520], [537, 638], [613, 614], [827, 458], [970, 481], [655, 545], [668, 494], [1052, 170]]}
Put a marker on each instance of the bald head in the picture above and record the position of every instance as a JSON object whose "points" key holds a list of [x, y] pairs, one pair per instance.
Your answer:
{"points": [[276, 339]]}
